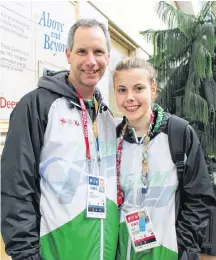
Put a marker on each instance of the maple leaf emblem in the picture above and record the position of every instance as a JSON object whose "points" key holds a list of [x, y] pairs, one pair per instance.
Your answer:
{"points": [[63, 121]]}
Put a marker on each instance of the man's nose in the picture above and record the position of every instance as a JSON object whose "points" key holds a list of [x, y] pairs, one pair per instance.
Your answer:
{"points": [[91, 61]]}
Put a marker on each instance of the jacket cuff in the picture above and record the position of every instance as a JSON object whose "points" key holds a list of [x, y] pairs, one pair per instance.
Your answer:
{"points": [[188, 255], [32, 257]]}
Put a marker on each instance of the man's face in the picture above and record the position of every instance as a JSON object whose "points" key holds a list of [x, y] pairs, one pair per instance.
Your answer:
{"points": [[102, 183], [89, 57]]}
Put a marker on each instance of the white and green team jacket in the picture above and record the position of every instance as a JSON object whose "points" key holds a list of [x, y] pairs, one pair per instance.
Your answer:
{"points": [[44, 177]]}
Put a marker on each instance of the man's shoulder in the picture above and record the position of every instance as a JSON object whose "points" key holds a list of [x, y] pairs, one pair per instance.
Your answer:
{"points": [[39, 99], [39, 95]]}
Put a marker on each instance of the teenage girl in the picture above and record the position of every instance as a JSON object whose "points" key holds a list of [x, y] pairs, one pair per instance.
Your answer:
{"points": [[147, 176]]}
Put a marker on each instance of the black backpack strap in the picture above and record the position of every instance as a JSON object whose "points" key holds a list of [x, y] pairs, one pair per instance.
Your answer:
{"points": [[176, 137]]}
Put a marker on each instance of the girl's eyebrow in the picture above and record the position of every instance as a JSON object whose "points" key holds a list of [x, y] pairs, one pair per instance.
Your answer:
{"points": [[139, 84], [121, 86]]}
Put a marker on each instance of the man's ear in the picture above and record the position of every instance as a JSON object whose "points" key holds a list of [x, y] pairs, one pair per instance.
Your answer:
{"points": [[67, 53]]}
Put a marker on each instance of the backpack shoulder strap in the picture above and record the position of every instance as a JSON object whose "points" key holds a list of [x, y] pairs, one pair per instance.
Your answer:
{"points": [[176, 136]]}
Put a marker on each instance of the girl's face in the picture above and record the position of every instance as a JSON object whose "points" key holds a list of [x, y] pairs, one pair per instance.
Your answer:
{"points": [[134, 93]]}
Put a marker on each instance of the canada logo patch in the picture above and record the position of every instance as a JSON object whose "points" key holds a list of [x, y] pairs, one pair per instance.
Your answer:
{"points": [[69, 121]]}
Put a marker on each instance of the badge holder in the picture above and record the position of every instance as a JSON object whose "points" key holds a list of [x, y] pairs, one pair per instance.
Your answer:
{"points": [[96, 200], [141, 230]]}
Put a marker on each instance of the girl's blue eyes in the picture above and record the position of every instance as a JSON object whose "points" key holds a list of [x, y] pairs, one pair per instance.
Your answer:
{"points": [[121, 90], [137, 89]]}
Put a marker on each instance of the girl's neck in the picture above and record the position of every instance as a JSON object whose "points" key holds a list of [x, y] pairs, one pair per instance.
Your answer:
{"points": [[141, 125]]}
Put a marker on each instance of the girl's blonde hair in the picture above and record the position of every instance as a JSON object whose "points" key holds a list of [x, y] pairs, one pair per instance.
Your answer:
{"points": [[136, 63]]}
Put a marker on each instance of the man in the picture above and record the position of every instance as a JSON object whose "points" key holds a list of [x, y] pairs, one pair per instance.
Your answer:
{"points": [[101, 188], [60, 134]]}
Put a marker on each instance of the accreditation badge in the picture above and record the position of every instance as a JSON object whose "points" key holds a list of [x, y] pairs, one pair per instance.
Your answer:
{"points": [[141, 230], [96, 200]]}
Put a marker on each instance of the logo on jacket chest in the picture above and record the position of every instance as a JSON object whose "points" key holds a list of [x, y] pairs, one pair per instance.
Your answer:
{"points": [[69, 121], [161, 190]]}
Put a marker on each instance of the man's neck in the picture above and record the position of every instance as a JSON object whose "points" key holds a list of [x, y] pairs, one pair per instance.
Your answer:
{"points": [[141, 125], [86, 93]]}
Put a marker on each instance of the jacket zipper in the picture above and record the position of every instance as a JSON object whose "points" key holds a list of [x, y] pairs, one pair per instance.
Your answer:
{"points": [[134, 195], [102, 240], [128, 248], [101, 221]]}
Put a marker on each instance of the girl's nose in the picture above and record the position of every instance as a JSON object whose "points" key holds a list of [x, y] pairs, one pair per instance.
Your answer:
{"points": [[130, 96]]}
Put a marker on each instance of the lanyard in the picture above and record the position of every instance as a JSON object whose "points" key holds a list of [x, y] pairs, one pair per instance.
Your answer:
{"points": [[120, 193], [95, 129], [85, 128]]}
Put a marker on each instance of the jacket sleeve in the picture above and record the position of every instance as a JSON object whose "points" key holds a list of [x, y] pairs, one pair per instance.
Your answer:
{"points": [[20, 182], [198, 200]]}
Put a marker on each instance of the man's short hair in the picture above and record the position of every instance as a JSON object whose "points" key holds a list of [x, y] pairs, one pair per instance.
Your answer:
{"points": [[87, 23]]}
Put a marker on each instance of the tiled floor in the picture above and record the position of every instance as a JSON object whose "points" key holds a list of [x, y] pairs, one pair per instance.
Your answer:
{"points": [[208, 257], [3, 254]]}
